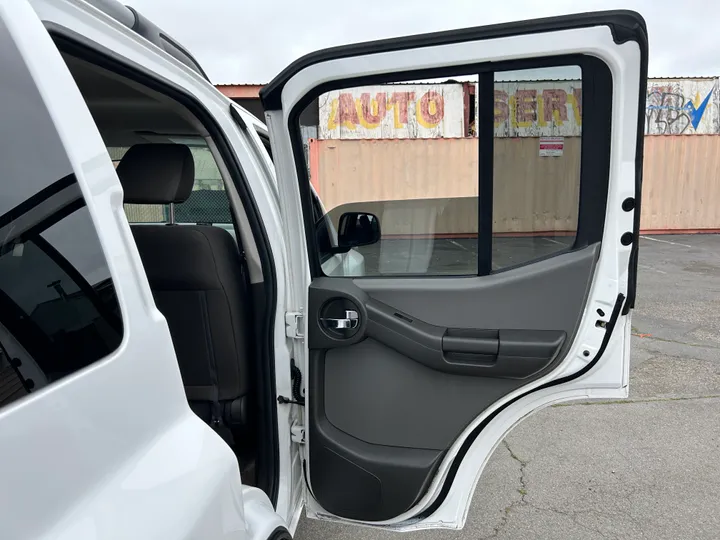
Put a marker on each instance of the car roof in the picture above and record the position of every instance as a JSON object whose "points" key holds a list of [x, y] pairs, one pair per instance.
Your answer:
{"points": [[135, 21]]}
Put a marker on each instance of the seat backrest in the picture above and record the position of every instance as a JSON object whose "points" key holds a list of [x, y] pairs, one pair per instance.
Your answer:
{"points": [[199, 282]]}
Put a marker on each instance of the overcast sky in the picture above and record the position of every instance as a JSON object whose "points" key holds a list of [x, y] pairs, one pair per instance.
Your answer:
{"points": [[240, 41]]}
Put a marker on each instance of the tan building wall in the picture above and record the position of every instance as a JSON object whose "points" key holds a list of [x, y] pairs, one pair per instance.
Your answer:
{"points": [[533, 194], [438, 177], [681, 184]]}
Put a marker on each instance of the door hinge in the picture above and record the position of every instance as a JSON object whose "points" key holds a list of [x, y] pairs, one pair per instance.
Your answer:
{"points": [[295, 324], [297, 433]]}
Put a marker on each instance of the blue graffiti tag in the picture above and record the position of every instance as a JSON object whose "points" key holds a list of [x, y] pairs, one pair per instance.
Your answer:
{"points": [[676, 113], [696, 113]]}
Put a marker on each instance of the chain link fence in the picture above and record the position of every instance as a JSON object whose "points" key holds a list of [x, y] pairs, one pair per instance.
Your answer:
{"points": [[208, 202], [204, 206]]}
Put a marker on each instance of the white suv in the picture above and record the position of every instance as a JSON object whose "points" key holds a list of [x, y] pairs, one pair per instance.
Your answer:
{"points": [[178, 381]]}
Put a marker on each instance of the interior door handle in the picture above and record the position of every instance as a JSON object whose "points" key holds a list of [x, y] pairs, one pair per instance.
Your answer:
{"points": [[351, 320]]}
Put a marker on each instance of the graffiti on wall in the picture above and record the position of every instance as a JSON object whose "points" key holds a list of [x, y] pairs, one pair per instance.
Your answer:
{"points": [[547, 109], [682, 107], [392, 112], [522, 109]]}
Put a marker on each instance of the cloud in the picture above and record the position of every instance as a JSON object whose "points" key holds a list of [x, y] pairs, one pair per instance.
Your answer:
{"points": [[250, 42]]}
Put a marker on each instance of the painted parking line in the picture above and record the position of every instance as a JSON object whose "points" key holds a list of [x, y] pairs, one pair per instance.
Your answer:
{"points": [[554, 241], [665, 241], [458, 244]]}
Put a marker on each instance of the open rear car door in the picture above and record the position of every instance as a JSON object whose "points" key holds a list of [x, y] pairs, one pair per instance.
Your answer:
{"points": [[459, 328]]}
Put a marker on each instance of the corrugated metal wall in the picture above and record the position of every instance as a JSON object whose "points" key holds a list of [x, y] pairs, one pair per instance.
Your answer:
{"points": [[397, 154], [532, 193], [681, 182]]}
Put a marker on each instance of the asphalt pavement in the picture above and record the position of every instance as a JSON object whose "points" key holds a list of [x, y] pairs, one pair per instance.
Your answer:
{"points": [[644, 468]]}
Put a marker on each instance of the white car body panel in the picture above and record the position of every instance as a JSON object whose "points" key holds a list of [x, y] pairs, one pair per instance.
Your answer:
{"points": [[94, 471]]}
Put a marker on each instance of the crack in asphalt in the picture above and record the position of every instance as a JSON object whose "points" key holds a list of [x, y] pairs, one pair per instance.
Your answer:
{"points": [[630, 401], [522, 490], [636, 332], [574, 516], [676, 341]]}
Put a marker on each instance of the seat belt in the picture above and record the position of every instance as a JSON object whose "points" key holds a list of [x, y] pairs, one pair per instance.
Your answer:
{"points": [[209, 394]]}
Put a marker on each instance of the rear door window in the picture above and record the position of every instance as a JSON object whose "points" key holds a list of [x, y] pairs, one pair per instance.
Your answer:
{"points": [[208, 203], [58, 308]]}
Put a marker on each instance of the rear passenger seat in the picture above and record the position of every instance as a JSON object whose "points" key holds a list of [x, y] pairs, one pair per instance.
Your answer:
{"points": [[199, 280]]}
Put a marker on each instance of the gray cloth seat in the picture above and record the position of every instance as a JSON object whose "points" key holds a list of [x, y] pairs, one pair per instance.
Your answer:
{"points": [[199, 281]]}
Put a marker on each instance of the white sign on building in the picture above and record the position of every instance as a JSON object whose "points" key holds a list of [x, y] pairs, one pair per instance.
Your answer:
{"points": [[422, 111]]}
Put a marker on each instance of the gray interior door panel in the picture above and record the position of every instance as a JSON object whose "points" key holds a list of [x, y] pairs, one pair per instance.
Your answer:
{"points": [[425, 357], [545, 295], [376, 480], [382, 397]]}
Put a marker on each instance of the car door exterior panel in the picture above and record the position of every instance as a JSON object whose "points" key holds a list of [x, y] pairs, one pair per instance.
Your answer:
{"points": [[428, 371]]}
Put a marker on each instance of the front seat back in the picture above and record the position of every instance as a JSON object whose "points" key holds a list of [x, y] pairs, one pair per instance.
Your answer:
{"points": [[199, 282]]}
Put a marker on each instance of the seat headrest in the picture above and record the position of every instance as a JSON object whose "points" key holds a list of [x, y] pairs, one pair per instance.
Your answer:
{"points": [[157, 173]]}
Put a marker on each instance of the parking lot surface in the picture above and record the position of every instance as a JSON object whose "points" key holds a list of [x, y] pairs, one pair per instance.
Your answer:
{"points": [[645, 468]]}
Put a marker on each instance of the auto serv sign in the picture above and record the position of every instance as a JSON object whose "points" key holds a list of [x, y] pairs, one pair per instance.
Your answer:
{"points": [[403, 111]]}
